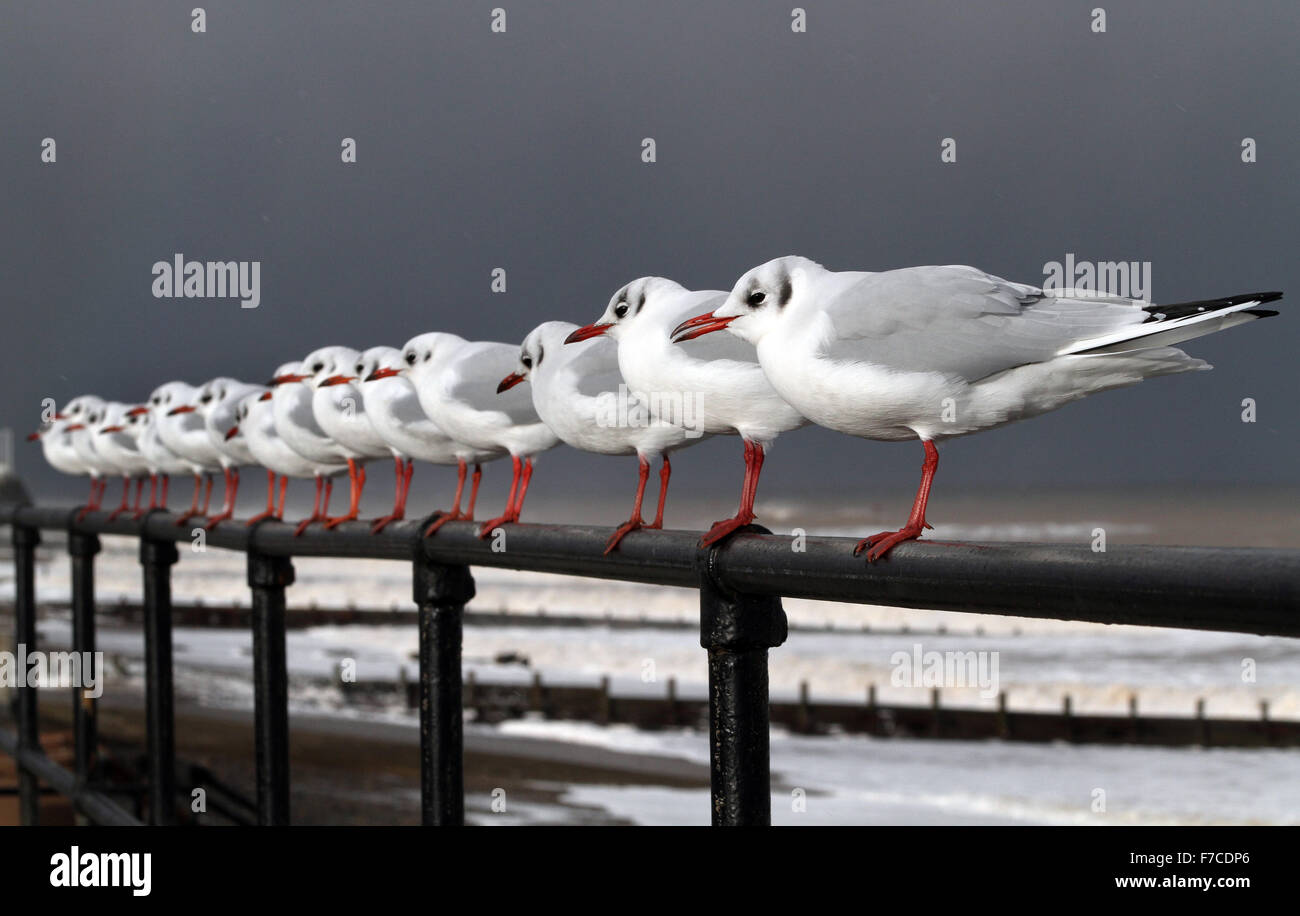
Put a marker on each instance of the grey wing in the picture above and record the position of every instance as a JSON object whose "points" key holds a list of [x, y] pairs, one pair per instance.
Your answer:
{"points": [[964, 322], [473, 376]]}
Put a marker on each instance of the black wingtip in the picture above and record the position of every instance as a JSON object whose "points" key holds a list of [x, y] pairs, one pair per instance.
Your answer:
{"points": [[1262, 313], [1174, 310]]}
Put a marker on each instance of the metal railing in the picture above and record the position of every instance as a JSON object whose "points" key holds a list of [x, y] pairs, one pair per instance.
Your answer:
{"points": [[741, 583]]}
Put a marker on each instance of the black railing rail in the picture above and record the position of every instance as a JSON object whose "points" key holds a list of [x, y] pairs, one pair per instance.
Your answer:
{"points": [[741, 583]]}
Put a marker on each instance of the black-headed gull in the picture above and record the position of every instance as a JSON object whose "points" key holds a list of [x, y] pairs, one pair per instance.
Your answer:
{"points": [[296, 424], [216, 403], [340, 410], [116, 440], [393, 407], [456, 380], [56, 438], [709, 386], [934, 352], [581, 395], [85, 412], [181, 430], [163, 462], [260, 425]]}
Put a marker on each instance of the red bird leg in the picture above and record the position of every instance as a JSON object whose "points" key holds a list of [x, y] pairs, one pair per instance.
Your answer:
{"points": [[356, 480], [635, 522], [228, 503], [315, 509], [207, 493], [139, 490], [153, 494], [880, 544], [403, 471], [664, 473], [162, 500], [455, 510], [279, 509], [509, 515], [126, 499], [91, 502], [270, 500], [748, 490], [473, 492], [193, 510]]}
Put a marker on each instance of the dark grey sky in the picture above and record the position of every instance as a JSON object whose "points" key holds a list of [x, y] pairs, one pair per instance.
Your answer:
{"points": [[522, 150]]}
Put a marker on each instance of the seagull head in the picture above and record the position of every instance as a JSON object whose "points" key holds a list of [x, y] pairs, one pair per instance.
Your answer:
{"points": [[423, 353], [324, 367], [77, 410], [172, 398], [377, 363], [547, 337], [635, 302], [758, 302]]}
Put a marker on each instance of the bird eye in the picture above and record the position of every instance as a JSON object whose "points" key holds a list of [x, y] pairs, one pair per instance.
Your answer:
{"points": [[620, 310], [361, 368], [427, 354], [756, 299], [527, 361], [205, 399], [317, 368], [409, 356]]}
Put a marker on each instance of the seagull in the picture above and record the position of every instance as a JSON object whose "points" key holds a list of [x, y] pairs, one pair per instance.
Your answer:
{"points": [[56, 445], [162, 461], [257, 423], [456, 381], [116, 440], [181, 430], [84, 415], [934, 352], [340, 410], [216, 404], [713, 386], [580, 394], [395, 412], [296, 424]]}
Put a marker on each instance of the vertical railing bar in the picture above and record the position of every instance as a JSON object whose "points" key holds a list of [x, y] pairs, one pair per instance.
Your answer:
{"points": [[441, 593], [737, 630], [25, 540], [156, 560], [268, 576], [82, 548]]}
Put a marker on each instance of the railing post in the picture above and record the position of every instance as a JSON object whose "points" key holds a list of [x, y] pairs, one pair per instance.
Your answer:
{"points": [[25, 541], [82, 549], [737, 630], [156, 560], [441, 593], [268, 576]]}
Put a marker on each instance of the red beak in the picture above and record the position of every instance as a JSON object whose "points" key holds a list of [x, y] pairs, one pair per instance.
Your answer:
{"points": [[68, 429], [32, 437], [510, 381], [137, 411], [700, 325], [337, 380], [266, 396], [282, 379], [110, 429], [59, 416], [185, 408], [587, 332], [384, 372], [232, 432]]}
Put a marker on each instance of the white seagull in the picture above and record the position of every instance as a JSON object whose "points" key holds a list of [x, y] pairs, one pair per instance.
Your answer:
{"points": [[116, 438], [181, 430], [340, 410], [216, 404], [456, 381], [934, 352], [296, 424], [84, 414], [713, 386], [55, 438], [580, 394], [162, 461], [395, 412], [258, 424]]}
